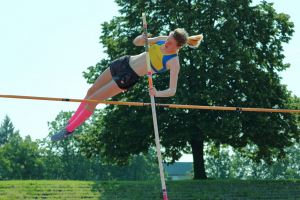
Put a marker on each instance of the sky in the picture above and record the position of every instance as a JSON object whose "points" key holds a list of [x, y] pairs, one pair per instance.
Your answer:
{"points": [[46, 45]]}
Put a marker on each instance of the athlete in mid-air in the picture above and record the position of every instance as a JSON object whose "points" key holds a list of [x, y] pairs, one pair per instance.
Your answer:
{"points": [[125, 72]]}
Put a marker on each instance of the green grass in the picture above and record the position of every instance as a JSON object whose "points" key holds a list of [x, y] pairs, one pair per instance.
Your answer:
{"points": [[125, 190]]}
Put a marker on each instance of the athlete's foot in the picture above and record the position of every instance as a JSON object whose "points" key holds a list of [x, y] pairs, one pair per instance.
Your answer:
{"points": [[61, 135]]}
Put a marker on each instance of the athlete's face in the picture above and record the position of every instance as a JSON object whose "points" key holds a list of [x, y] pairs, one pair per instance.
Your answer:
{"points": [[171, 44]]}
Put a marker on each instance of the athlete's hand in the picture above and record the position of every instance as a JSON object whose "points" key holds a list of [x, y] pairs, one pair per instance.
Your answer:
{"points": [[143, 36], [152, 91]]}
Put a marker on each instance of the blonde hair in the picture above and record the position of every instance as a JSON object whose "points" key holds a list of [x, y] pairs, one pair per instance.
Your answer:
{"points": [[182, 38]]}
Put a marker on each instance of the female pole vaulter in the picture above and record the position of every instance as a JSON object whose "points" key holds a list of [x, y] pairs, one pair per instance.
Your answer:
{"points": [[123, 73]]}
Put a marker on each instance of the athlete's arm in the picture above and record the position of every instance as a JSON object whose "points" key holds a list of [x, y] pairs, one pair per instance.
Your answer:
{"points": [[140, 40], [174, 70]]}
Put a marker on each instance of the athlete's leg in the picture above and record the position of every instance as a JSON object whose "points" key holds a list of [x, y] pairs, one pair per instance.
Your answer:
{"points": [[78, 111], [109, 90], [104, 79], [101, 81]]}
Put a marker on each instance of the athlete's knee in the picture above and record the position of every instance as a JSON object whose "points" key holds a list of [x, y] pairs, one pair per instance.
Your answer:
{"points": [[90, 92]]}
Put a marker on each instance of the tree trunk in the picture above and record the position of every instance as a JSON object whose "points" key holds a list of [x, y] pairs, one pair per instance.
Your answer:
{"points": [[199, 169]]}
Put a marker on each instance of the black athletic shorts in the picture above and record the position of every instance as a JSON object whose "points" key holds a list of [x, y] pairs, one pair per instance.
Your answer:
{"points": [[123, 74]]}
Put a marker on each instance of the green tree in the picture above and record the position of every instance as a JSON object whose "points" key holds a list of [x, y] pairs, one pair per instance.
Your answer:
{"points": [[6, 130], [5, 165], [219, 166], [240, 167], [141, 168], [237, 65], [64, 160], [24, 158]]}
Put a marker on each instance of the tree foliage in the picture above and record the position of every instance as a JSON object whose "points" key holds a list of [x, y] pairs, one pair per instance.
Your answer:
{"points": [[236, 65], [22, 158], [236, 166], [44, 159], [6, 130]]}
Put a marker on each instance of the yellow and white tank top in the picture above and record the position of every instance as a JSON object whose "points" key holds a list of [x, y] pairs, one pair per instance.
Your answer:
{"points": [[158, 60]]}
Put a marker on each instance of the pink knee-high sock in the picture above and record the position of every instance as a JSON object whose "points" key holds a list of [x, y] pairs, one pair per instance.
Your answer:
{"points": [[78, 111], [82, 117]]}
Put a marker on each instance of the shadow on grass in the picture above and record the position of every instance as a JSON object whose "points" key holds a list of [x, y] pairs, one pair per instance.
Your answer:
{"points": [[127, 189], [193, 189]]}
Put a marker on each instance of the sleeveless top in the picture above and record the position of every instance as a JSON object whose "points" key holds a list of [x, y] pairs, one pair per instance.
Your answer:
{"points": [[158, 60]]}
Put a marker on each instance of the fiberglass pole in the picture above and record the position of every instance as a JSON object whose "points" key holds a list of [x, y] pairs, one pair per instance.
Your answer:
{"points": [[163, 184]]}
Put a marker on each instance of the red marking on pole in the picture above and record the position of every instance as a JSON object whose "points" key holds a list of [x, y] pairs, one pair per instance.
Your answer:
{"points": [[165, 194], [165, 197]]}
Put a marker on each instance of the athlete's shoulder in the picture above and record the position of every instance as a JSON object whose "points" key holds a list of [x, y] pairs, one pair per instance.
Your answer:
{"points": [[173, 61]]}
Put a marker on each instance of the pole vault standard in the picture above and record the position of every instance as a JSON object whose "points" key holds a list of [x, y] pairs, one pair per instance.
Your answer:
{"points": [[157, 104], [162, 177]]}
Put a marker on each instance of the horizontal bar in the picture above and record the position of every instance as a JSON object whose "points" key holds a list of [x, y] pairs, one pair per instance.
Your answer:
{"points": [[157, 104]]}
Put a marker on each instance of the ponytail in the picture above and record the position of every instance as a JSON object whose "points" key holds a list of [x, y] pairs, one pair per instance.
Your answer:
{"points": [[194, 41]]}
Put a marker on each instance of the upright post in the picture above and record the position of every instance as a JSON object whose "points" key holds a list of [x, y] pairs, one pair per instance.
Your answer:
{"points": [[163, 183]]}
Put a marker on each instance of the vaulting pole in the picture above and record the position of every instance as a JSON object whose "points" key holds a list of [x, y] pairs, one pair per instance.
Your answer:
{"points": [[162, 177], [157, 104]]}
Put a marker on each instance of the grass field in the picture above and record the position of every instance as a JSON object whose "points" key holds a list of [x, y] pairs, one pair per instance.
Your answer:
{"points": [[191, 190]]}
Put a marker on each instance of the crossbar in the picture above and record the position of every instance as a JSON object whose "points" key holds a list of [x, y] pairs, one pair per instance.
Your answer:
{"points": [[149, 104]]}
